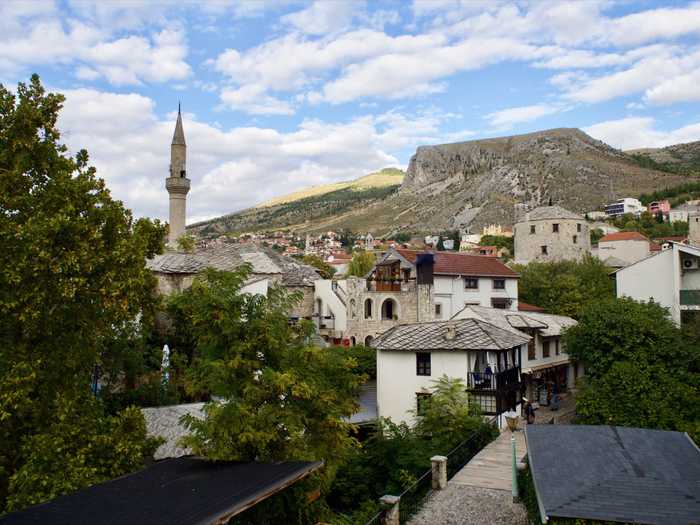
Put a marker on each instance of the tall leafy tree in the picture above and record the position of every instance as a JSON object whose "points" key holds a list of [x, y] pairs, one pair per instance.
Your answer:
{"points": [[361, 264], [565, 287], [72, 275], [641, 370], [276, 397], [325, 270]]}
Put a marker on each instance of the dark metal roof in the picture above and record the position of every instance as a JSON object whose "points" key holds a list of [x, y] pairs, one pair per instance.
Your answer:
{"points": [[182, 491], [470, 334], [630, 475]]}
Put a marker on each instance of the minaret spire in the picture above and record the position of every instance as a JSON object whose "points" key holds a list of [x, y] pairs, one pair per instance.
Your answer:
{"points": [[177, 184]]}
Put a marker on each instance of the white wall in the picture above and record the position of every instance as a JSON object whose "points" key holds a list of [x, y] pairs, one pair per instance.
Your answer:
{"points": [[652, 278], [256, 288], [451, 294], [628, 251], [397, 382], [330, 302], [540, 360]]}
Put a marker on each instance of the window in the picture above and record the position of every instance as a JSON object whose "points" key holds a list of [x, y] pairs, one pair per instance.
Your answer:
{"points": [[578, 227], [423, 363], [544, 250], [555, 228], [438, 311], [368, 308], [532, 229], [389, 310], [499, 284], [556, 346], [485, 402], [575, 239], [498, 302], [531, 350], [545, 348], [422, 401], [471, 283]]}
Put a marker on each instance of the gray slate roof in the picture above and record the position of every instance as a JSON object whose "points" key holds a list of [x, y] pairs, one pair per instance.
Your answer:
{"points": [[368, 404], [620, 474], [550, 212], [548, 324], [265, 261], [471, 334], [164, 422]]}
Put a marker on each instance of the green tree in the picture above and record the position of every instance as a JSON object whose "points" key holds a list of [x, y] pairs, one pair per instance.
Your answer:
{"points": [[72, 276], [641, 370], [565, 287], [361, 264], [279, 397], [186, 243], [499, 241], [325, 270]]}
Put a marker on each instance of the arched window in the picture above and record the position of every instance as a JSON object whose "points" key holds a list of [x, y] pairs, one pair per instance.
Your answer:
{"points": [[368, 340], [353, 341], [352, 310], [389, 310], [368, 308]]}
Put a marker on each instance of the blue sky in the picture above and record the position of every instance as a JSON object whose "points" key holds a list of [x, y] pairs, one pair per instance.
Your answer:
{"points": [[279, 95]]}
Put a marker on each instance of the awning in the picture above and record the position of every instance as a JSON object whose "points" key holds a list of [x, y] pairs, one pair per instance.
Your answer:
{"points": [[545, 366]]}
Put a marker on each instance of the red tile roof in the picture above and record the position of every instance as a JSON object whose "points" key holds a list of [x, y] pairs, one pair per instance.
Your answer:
{"points": [[624, 236], [453, 263], [653, 247], [525, 307]]}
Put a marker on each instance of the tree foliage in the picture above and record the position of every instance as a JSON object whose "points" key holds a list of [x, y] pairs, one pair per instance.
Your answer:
{"points": [[641, 370], [650, 225], [361, 264], [325, 270], [275, 396], [565, 287], [72, 275]]}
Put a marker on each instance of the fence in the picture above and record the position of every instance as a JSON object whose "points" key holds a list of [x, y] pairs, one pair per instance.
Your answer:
{"points": [[411, 499]]}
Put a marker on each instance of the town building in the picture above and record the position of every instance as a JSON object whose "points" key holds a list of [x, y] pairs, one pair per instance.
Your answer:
{"points": [[694, 229], [606, 474], [669, 277], [411, 357], [546, 368], [497, 230], [175, 270], [551, 233], [684, 211], [411, 286], [660, 207], [628, 247], [625, 206], [596, 216]]}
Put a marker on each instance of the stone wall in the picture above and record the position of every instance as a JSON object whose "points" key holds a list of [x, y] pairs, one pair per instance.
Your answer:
{"points": [[414, 303], [560, 245]]}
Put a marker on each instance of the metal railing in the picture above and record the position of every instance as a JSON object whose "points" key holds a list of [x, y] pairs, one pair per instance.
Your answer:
{"points": [[690, 297], [493, 380], [412, 498], [377, 518], [467, 449]]}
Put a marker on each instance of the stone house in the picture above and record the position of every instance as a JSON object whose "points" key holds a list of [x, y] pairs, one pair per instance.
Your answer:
{"points": [[175, 270], [411, 286], [628, 247], [551, 233]]}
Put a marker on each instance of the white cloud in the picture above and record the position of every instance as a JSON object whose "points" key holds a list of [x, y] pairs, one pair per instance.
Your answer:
{"points": [[231, 168], [253, 99], [323, 17], [640, 132], [506, 118], [681, 88]]}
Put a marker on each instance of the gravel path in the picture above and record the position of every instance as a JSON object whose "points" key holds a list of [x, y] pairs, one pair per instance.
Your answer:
{"points": [[463, 505]]}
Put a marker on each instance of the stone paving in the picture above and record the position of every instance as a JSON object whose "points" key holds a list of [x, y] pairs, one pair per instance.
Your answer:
{"points": [[480, 493]]}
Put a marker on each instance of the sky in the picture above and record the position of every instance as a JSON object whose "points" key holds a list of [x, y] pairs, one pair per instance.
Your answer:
{"points": [[281, 95]]}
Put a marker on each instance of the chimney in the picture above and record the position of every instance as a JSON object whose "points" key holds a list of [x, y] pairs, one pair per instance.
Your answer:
{"points": [[450, 331]]}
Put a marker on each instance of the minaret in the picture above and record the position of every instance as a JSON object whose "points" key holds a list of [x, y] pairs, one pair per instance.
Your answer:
{"points": [[177, 184]]}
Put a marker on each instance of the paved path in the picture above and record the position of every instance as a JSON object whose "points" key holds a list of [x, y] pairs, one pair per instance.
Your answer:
{"points": [[480, 493], [492, 468]]}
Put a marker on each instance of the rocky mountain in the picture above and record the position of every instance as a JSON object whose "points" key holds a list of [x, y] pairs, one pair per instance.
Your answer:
{"points": [[679, 158], [474, 183]]}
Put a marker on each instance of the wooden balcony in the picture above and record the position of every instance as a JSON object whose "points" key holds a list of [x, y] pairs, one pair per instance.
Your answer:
{"points": [[495, 381]]}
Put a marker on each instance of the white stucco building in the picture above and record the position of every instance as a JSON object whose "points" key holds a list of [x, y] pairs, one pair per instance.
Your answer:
{"points": [[628, 247], [545, 365], [623, 206], [411, 357], [670, 277]]}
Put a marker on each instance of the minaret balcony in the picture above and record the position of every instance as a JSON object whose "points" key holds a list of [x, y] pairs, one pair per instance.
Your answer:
{"points": [[180, 185]]}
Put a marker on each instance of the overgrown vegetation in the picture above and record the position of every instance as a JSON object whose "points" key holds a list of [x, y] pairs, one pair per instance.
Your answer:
{"points": [[361, 264], [676, 195], [641, 370], [652, 226], [73, 282], [499, 241], [565, 287], [325, 270]]}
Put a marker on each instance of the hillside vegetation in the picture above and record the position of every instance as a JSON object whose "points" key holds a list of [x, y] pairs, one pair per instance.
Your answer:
{"points": [[469, 185]]}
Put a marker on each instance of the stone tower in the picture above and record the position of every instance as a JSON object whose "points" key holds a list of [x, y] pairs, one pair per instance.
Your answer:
{"points": [[177, 184]]}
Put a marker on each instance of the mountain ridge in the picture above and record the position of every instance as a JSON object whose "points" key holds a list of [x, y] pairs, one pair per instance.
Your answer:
{"points": [[466, 185]]}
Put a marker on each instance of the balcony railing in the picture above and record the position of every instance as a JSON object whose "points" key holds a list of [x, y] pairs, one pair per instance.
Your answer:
{"points": [[391, 286], [690, 297], [493, 381]]}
